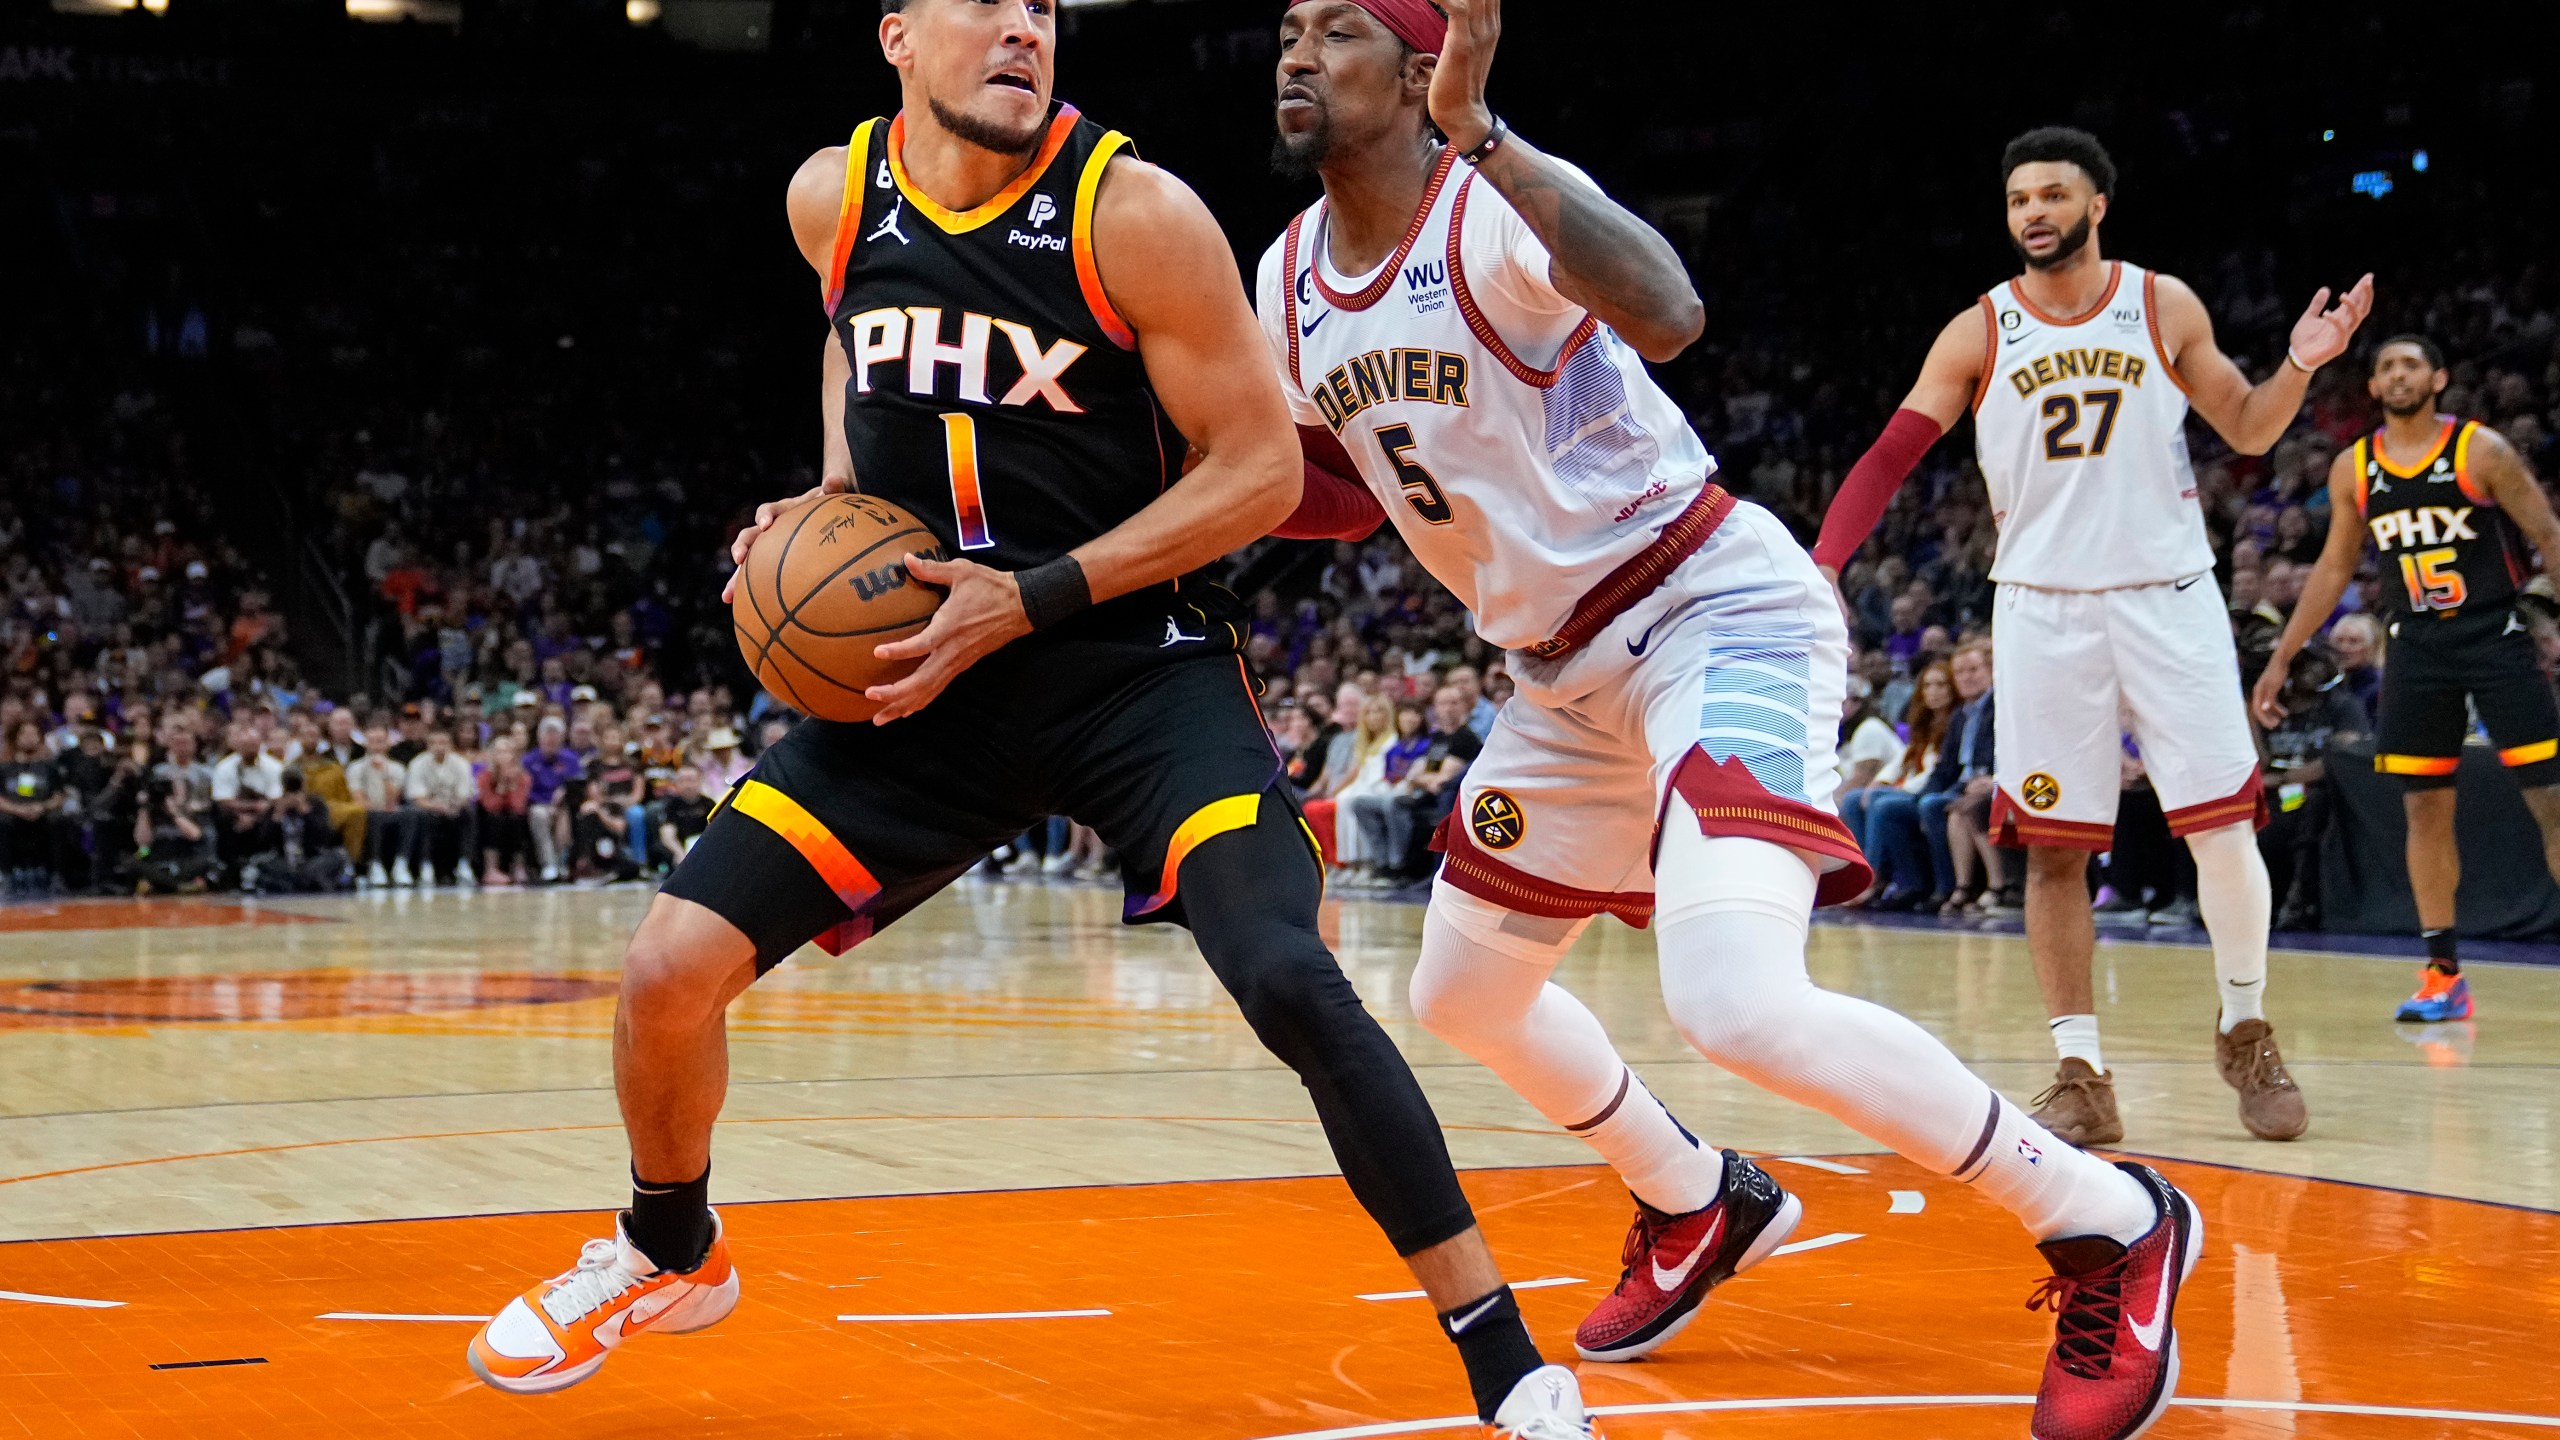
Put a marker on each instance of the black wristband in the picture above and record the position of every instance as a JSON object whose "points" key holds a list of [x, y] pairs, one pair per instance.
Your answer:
{"points": [[1491, 142], [1054, 591]]}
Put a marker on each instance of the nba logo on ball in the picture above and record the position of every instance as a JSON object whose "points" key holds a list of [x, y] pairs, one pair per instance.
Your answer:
{"points": [[1497, 821], [2042, 791]]}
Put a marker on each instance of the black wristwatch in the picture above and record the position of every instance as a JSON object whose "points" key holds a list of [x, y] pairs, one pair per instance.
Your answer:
{"points": [[1491, 142]]}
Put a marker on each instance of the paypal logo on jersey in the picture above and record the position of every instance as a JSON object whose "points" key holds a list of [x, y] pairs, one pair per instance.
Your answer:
{"points": [[1043, 210]]}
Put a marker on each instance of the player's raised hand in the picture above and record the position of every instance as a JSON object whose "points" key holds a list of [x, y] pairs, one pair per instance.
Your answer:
{"points": [[2321, 335], [766, 514], [1466, 58], [2266, 698], [982, 611]]}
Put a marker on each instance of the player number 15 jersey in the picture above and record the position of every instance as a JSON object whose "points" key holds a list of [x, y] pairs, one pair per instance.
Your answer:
{"points": [[2080, 425]]}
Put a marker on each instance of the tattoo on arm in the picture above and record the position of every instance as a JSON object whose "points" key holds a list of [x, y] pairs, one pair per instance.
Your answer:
{"points": [[1605, 258]]}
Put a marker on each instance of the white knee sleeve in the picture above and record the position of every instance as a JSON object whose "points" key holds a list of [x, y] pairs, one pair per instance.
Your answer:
{"points": [[1482, 966]]}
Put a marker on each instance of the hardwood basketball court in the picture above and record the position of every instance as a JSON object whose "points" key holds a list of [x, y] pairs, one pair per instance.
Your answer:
{"points": [[1010, 1169]]}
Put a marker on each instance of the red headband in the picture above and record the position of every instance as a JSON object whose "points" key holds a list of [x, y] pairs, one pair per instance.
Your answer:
{"points": [[1417, 23]]}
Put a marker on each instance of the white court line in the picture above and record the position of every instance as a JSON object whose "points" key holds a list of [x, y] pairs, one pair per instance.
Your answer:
{"points": [[978, 1315], [1907, 1202], [1834, 1166], [1826, 1402], [416, 1319], [1515, 1285], [1819, 1242], [61, 1300]]}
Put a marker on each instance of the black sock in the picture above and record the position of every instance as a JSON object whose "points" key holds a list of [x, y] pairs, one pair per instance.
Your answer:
{"points": [[1495, 1346], [2440, 954], [671, 1223]]}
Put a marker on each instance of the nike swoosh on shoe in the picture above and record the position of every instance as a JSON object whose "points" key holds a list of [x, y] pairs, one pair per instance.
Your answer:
{"points": [[1674, 1278]]}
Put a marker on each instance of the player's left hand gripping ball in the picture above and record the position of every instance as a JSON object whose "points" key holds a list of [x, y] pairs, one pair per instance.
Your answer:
{"points": [[983, 612]]}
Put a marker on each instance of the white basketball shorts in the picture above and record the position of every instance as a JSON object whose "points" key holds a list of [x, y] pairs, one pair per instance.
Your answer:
{"points": [[2075, 671], [1714, 701]]}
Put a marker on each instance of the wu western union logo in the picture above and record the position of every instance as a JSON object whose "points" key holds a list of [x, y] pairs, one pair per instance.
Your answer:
{"points": [[1434, 377], [2082, 364]]}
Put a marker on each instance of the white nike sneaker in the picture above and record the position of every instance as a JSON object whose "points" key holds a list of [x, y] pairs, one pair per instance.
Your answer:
{"points": [[375, 876], [401, 875], [560, 1331], [1545, 1405]]}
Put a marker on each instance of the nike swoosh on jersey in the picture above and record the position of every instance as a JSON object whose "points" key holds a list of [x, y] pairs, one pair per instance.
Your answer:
{"points": [[2146, 1333], [1674, 1278], [1310, 327], [2190, 580]]}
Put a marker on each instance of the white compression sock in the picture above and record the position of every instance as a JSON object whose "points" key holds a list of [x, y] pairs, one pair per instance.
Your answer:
{"points": [[1733, 915], [2233, 894], [2075, 1037], [1482, 986]]}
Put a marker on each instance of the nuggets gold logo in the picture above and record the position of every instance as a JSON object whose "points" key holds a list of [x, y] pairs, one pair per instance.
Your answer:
{"points": [[1497, 821], [2042, 791]]}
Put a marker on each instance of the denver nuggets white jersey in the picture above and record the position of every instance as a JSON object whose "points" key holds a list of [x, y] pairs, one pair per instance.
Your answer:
{"points": [[1518, 444], [2081, 430]]}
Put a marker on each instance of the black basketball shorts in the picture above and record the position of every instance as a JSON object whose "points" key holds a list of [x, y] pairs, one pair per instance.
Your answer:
{"points": [[842, 828], [2433, 668]]}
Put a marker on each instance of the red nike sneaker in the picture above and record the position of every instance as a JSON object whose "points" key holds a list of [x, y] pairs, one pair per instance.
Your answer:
{"points": [[1674, 1260], [2114, 1363]]}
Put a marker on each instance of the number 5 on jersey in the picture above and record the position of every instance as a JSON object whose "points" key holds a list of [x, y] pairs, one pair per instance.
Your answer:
{"points": [[1420, 490]]}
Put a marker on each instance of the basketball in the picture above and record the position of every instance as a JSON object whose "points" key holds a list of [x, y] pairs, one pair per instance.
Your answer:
{"points": [[824, 586]]}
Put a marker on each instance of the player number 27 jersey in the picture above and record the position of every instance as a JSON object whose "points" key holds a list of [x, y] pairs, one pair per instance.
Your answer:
{"points": [[2080, 426], [1517, 443]]}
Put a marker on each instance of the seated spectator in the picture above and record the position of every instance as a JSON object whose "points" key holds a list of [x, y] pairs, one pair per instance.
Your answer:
{"points": [[2149, 876], [505, 836], [1890, 808], [309, 856], [683, 815], [324, 765], [246, 781], [30, 802], [1355, 765], [380, 784], [442, 798], [600, 833], [2319, 711], [1373, 812], [555, 775], [2357, 644], [1429, 790], [173, 836], [1962, 783], [1302, 751], [84, 774], [722, 763]]}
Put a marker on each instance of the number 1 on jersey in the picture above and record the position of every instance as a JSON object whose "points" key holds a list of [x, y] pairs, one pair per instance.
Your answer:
{"points": [[1420, 490], [960, 441]]}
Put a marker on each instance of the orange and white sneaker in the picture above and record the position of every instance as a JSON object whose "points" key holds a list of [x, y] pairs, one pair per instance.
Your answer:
{"points": [[558, 1333]]}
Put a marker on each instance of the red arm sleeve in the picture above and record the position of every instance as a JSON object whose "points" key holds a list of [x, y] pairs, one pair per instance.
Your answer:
{"points": [[1334, 505], [1870, 485]]}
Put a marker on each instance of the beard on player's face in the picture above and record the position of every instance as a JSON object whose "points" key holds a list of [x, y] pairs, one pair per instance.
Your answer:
{"points": [[2404, 404], [989, 134], [1299, 154], [2072, 242]]}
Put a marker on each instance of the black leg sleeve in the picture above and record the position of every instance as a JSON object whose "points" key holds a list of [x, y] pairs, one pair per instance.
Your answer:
{"points": [[1250, 899]]}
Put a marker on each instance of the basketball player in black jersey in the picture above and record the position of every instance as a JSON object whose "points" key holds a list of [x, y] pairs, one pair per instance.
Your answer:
{"points": [[2450, 507], [1026, 325]]}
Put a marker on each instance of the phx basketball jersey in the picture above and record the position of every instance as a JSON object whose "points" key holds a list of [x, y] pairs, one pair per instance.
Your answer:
{"points": [[1519, 445], [2443, 536], [994, 392], [2080, 427]]}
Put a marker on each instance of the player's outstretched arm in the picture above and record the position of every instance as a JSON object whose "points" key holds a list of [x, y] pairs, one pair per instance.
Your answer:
{"points": [[1167, 269], [815, 196], [2500, 469], [1601, 257], [2252, 418], [2321, 589], [1948, 379]]}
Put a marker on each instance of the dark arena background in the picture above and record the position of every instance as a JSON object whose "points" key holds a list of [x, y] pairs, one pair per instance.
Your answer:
{"points": [[388, 378]]}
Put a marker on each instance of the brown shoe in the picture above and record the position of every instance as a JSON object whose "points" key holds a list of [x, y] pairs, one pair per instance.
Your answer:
{"points": [[2080, 1106], [2270, 1103]]}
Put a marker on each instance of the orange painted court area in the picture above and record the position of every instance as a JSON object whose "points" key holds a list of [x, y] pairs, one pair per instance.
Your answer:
{"points": [[127, 914], [1235, 1314]]}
